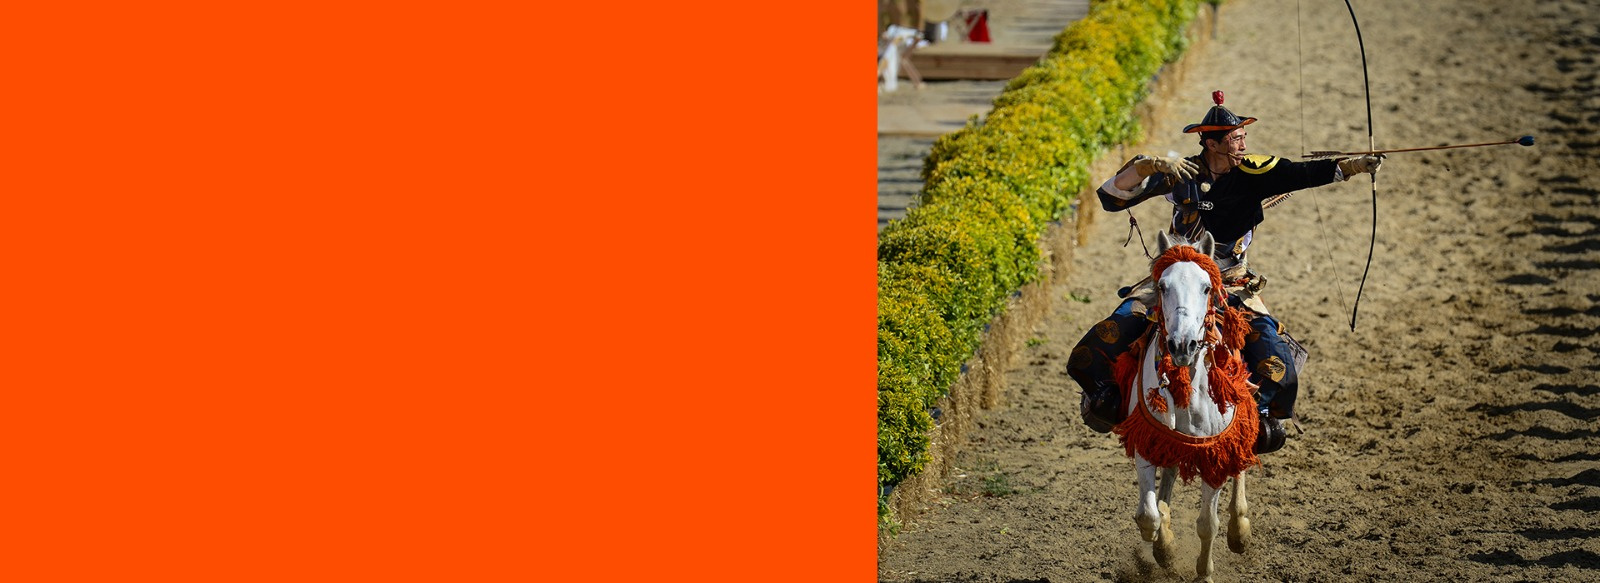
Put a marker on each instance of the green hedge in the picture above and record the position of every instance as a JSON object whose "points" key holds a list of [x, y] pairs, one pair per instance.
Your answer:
{"points": [[947, 268]]}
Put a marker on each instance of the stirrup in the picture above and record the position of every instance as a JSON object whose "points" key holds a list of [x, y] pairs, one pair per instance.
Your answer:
{"points": [[1271, 436], [1100, 411]]}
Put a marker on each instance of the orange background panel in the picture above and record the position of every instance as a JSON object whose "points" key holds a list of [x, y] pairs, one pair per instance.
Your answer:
{"points": [[459, 292]]}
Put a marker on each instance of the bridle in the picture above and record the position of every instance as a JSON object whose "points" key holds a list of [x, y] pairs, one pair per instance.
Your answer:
{"points": [[1211, 341]]}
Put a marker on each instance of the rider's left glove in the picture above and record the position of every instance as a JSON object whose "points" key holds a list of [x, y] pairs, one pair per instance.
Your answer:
{"points": [[1353, 166]]}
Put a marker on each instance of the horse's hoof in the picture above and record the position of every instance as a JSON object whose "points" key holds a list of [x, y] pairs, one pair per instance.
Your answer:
{"points": [[1239, 536], [1147, 527], [1238, 545], [1163, 552]]}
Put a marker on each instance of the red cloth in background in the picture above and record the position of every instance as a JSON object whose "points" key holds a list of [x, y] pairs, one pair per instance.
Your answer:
{"points": [[978, 26]]}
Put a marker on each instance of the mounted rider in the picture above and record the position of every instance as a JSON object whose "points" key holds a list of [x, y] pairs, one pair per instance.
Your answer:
{"points": [[1220, 191]]}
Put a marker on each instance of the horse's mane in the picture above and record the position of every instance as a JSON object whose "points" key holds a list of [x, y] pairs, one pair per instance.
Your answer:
{"points": [[1181, 250], [1185, 252]]}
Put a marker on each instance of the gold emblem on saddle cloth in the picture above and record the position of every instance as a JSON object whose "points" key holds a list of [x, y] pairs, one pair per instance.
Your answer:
{"points": [[1272, 368], [1107, 332]]}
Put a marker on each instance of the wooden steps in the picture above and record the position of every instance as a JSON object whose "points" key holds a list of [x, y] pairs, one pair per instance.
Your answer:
{"points": [[986, 61]]}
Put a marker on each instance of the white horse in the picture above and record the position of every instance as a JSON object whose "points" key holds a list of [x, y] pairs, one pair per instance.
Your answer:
{"points": [[1195, 429]]}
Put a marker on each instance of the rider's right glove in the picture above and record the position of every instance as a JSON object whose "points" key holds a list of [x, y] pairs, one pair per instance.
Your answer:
{"points": [[1182, 168]]}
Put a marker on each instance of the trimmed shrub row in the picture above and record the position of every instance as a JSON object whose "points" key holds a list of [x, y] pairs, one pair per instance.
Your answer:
{"points": [[991, 189]]}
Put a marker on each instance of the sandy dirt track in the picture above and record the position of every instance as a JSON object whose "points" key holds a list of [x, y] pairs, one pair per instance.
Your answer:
{"points": [[1452, 436]]}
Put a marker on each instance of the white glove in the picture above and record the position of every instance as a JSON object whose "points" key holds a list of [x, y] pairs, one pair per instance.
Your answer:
{"points": [[1353, 166], [1178, 167]]}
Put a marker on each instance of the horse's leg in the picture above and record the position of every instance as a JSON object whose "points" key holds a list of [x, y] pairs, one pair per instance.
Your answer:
{"points": [[1206, 526], [1148, 516], [1164, 549], [1239, 524], [1169, 478]]}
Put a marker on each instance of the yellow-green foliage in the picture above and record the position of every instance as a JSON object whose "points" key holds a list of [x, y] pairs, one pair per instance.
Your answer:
{"points": [[990, 190]]}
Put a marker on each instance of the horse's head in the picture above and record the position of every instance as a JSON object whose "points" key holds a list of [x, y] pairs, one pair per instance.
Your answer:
{"points": [[1185, 291]]}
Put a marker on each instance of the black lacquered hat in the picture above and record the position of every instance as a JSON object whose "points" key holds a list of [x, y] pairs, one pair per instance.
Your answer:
{"points": [[1219, 119]]}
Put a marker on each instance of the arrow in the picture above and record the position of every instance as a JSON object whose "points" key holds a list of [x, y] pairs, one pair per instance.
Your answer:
{"points": [[1524, 141]]}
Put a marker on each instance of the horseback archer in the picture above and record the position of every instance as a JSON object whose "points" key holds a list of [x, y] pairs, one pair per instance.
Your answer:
{"points": [[1219, 191]]}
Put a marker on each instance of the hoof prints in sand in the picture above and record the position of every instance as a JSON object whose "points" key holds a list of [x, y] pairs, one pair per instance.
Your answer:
{"points": [[1553, 419]]}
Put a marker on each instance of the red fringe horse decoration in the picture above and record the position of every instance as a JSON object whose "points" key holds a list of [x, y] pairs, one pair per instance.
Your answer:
{"points": [[1215, 458]]}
